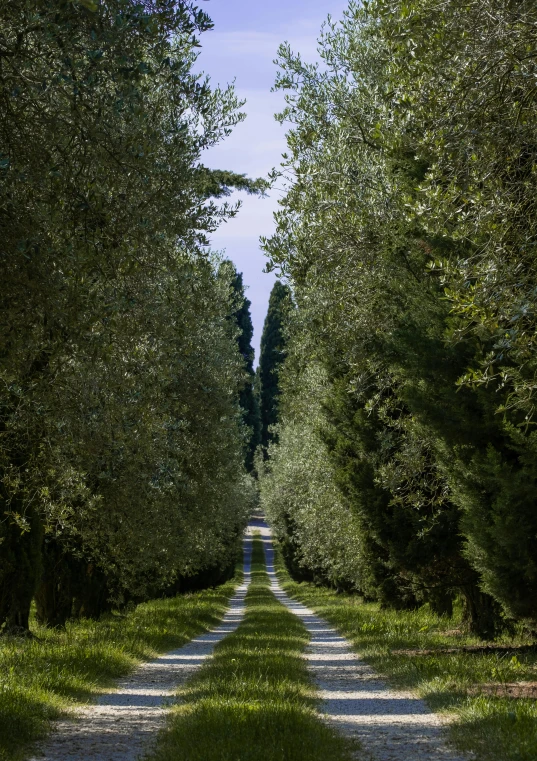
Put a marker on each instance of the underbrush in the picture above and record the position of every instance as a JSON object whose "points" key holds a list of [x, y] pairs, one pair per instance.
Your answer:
{"points": [[494, 727], [41, 678], [254, 699]]}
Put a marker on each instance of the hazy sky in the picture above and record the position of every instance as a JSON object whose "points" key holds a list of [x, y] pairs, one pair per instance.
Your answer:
{"points": [[242, 46]]}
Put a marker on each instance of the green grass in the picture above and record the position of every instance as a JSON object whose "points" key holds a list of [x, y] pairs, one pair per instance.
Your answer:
{"points": [[42, 678], [253, 701], [494, 728]]}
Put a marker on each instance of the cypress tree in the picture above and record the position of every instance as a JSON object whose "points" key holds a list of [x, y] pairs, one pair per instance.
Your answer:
{"points": [[271, 356], [247, 397]]}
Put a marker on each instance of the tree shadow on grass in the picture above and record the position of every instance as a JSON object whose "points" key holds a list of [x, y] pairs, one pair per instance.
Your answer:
{"points": [[22, 718], [501, 729]]}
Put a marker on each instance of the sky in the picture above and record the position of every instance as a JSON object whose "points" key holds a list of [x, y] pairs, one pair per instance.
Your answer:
{"points": [[242, 47]]}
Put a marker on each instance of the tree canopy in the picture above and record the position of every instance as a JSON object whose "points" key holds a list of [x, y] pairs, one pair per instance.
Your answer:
{"points": [[271, 356], [395, 396], [407, 236], [247, 397], [121, 462]]}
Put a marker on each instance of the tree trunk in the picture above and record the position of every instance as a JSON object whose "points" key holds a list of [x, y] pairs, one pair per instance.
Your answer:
{"points": [[54, 595], [441, 602], [481, 612], [92, 594], [20, 570]]}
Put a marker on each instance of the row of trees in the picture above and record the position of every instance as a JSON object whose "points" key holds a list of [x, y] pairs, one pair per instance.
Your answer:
{"points": [[406, 465], [271, 356], [123, 357]]}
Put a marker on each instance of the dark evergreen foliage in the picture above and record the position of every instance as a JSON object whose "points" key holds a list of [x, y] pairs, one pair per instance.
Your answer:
{"points": [[271, 356], [247, 397], [70, 586], [20, 570], [407, 235]]}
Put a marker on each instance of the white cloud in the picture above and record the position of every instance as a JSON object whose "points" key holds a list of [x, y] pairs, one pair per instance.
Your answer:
{"points": [[254, 219], [255, 146], [263, 44]]}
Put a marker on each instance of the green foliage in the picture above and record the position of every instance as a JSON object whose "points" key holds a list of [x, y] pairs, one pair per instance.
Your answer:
{"points": [[271, 356], [253, 699], [317, 531], [59, 669], [502, 527], [403, 225], [120, 429], [248, 399], [462, 100]]}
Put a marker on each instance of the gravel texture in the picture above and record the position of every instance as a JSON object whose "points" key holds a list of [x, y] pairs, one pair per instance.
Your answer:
{"points": [[391, 725], [122, 724]]}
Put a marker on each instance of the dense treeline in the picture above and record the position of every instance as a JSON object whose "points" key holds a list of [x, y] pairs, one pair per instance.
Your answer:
{"points": [[406, 466], [122, 440], [272, 353], [248, 397]]}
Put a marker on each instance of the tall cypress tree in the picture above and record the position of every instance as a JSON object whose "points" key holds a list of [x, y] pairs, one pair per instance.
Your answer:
{"points": [[247, 397], [271, 356]]}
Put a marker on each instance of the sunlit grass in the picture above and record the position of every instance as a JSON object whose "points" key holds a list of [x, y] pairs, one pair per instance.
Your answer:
{"points": [[42, 678], [254, 700], [494, 728]]}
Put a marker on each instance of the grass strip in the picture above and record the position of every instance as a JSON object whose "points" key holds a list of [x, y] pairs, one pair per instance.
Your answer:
{"points": [[493, 727], [41, 678], [254, 700]]}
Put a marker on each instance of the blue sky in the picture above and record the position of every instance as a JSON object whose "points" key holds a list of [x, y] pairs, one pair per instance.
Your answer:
{"points": [[242, 47]]}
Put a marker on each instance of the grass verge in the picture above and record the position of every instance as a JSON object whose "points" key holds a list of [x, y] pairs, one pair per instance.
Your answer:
{"points": [[42, 678], [493, 727], [254, 700]]}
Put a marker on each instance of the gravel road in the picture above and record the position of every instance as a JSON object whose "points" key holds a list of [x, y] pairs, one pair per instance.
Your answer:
{"points": [[122, 724], [391, 725]]}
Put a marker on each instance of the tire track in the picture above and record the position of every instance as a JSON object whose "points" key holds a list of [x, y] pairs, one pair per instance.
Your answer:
{"points": [[392, 725], [122, 725]]}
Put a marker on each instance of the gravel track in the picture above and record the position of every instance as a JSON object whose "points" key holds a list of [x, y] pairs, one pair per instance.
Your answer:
{"points": [[123, 724], [391, 725]]}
